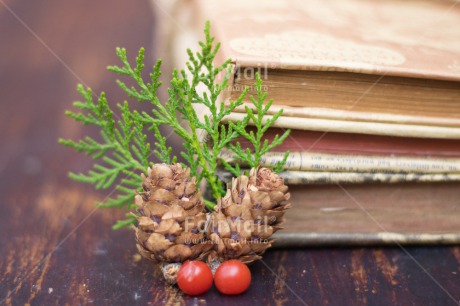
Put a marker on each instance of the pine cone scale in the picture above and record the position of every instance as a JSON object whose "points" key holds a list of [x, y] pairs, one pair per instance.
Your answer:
{"points": [[171, 212], [247, 216]]}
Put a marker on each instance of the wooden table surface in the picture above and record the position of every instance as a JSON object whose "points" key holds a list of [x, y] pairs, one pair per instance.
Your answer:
{"points": [[57, 249]]}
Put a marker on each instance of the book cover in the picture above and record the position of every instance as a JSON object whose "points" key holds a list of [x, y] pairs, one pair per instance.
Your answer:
{"points": [[412, 38], [375, 61]]}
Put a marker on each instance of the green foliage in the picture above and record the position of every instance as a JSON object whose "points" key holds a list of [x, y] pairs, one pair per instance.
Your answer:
{"points": [[124, 152], [252, 157], [201, 159]]}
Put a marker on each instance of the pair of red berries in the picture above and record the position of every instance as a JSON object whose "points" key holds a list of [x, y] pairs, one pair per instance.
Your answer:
{"points": [[231, 277]]}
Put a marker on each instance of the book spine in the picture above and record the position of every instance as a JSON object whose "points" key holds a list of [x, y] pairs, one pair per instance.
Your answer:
{"points": [[322, 178], [307, 161]]}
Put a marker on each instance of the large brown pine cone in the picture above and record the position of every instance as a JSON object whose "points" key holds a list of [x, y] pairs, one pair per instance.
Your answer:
{"points": [[251, 211], [171, 211]]}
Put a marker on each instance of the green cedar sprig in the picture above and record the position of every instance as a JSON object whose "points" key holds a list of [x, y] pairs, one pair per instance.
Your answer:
{"points": [[252, 158], [123, 151], [178, 111]]}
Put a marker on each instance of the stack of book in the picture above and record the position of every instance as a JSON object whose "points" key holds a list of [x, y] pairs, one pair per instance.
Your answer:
{"points": [[371, 93], [322, 157]]}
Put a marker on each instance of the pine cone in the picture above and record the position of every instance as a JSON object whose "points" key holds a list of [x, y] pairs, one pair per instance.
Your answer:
{"points": [[172, 213], [251, 211]]}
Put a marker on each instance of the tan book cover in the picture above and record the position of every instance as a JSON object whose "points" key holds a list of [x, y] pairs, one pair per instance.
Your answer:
{"points": [[419, 38], [387, 61]]}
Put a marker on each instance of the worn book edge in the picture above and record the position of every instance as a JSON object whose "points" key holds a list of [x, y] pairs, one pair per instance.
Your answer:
{"points": [[309, 161], [308, 239], [357, 127], [322, 178], [349, 115]]}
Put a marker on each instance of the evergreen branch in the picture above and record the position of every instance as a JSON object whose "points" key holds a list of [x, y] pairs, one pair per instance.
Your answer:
{"points": [[180, 105], [122, 151], [253, 157], [131, 220], [122, 223], [280, 164]]}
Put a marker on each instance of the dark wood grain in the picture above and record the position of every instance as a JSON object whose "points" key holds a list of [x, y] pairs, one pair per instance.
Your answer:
{"points": [[57, 249]]}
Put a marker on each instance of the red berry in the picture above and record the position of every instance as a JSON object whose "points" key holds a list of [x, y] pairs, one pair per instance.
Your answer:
{"points": [[194, 277], [232, 277]]}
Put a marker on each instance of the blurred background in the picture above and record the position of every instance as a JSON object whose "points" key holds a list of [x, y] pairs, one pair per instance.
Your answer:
{"points": [[47, 47]]}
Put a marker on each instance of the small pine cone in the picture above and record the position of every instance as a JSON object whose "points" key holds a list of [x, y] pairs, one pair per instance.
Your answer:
{"points": [[172, 219], [246, 217]]}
